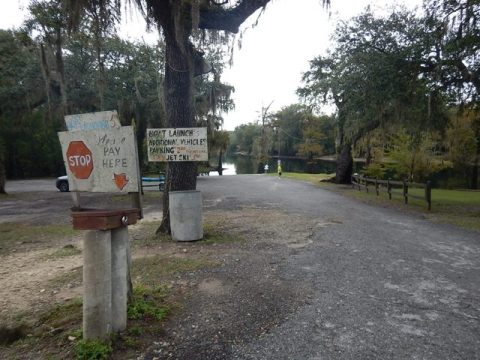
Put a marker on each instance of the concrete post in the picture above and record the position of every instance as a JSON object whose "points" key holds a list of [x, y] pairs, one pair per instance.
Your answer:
{"points": [[97, 285], [119, 278]]}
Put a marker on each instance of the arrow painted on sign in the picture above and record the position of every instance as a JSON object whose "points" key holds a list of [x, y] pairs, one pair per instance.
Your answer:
{"points": [[120, 180]]}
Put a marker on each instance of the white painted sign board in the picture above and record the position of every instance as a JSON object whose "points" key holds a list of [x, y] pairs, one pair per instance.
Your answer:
{"points": [[101, 160], [102, 120], [177, 144]]}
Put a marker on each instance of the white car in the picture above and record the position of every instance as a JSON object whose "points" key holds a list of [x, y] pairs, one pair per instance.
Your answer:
{"points": [[63, 186], [62, 183]]}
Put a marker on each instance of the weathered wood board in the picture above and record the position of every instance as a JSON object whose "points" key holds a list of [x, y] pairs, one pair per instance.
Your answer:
{"points": [[102, 120], [177, 144], [101, 160]]}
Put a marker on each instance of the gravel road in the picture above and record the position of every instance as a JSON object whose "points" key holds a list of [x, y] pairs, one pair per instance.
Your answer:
{"points": [[379, 284], [320, 276]]}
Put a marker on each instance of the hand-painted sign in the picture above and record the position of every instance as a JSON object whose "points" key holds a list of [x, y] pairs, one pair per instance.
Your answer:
{"points": [[101, 160], [102, 120], [178, 144]]}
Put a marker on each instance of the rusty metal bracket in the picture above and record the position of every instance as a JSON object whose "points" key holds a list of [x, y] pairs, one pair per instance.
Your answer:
{"points": [[99, 219]]}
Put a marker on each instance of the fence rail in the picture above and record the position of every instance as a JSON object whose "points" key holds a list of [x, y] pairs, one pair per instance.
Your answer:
{"points": [[394, 187]]}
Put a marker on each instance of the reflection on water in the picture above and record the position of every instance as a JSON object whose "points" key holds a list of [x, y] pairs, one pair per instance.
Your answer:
{"points": [[228, 169], [247, 165]]}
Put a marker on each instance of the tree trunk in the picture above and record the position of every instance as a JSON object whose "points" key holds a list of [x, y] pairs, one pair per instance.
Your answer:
{"points": [[475, 167], [61, 72], [46, 77], [220, 164], [53, 71], [368, 155], [3, 174], [476, 164], [474, 177], [412, 166], [179, 108], [175, 20], [101, 76], [344, 165]]}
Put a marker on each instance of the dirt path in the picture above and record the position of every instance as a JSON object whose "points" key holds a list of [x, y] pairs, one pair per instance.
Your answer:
{"points": [[244, 297], [36, 276], [26, 281]]}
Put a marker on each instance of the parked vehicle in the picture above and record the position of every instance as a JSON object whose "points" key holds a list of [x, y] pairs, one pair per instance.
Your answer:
{"points": [[63, 185], [147, 182]]}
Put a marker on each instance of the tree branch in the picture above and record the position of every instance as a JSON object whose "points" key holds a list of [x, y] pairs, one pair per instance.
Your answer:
{"points": [[229, 19]]}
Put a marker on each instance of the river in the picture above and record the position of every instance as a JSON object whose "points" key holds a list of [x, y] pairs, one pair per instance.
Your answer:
{"points": [[234, 165]]}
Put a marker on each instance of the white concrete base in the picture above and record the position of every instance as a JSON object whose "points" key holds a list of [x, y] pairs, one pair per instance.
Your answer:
{"points": [[186, 220], [105, 286], [119, 278], [97, 285]]}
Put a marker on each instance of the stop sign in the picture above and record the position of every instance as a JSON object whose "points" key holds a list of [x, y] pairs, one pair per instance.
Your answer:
{"points": [[79, 159]]}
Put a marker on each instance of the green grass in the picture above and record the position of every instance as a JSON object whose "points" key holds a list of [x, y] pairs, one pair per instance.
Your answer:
{"points": [[73, 276], [452, 197], [149, 303], [135, 331], [461, 208], [13, 235], [64, 315], [92, 350], [144, 235], [65, 251], [213, 233], [457, 207], [216, 234], [7, 197], [441, 198], [150, 194], [312, 178], [76, 333]]}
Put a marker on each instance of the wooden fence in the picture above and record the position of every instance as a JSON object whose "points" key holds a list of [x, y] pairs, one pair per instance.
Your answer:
{"points": [[393, 187]]}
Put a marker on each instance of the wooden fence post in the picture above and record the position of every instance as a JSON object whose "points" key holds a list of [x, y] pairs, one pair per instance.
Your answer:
{"points": [[428, 194], [361, 180], [389, 189], [405, 191]]}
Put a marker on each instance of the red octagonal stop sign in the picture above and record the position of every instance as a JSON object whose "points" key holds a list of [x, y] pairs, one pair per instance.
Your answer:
{"points": [[79, 159]]}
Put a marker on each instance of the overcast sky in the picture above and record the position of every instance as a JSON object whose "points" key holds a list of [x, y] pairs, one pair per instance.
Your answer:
{"points": [[274, 54]]}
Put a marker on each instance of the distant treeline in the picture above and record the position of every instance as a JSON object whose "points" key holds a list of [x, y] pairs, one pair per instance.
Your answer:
{"points": [[47, 72]]}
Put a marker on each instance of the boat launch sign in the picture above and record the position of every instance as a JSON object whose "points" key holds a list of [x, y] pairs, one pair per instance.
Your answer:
{"points": [[177, 144]]}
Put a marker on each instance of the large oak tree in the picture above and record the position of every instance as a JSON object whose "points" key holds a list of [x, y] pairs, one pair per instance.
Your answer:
{"points": [[375, 76], [178, 21]]}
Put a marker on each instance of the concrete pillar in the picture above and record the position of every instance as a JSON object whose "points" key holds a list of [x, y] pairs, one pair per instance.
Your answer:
{"points": [[97, 285], [119, 278]]}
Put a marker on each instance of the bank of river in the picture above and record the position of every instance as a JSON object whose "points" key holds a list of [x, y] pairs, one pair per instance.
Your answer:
{"points": [[234, 165]]}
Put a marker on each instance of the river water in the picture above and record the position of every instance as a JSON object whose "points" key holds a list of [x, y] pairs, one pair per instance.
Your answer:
{"points": [[234, 165]]}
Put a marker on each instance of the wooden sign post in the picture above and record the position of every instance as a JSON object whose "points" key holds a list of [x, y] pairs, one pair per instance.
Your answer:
{"points": [[101, 156]]}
